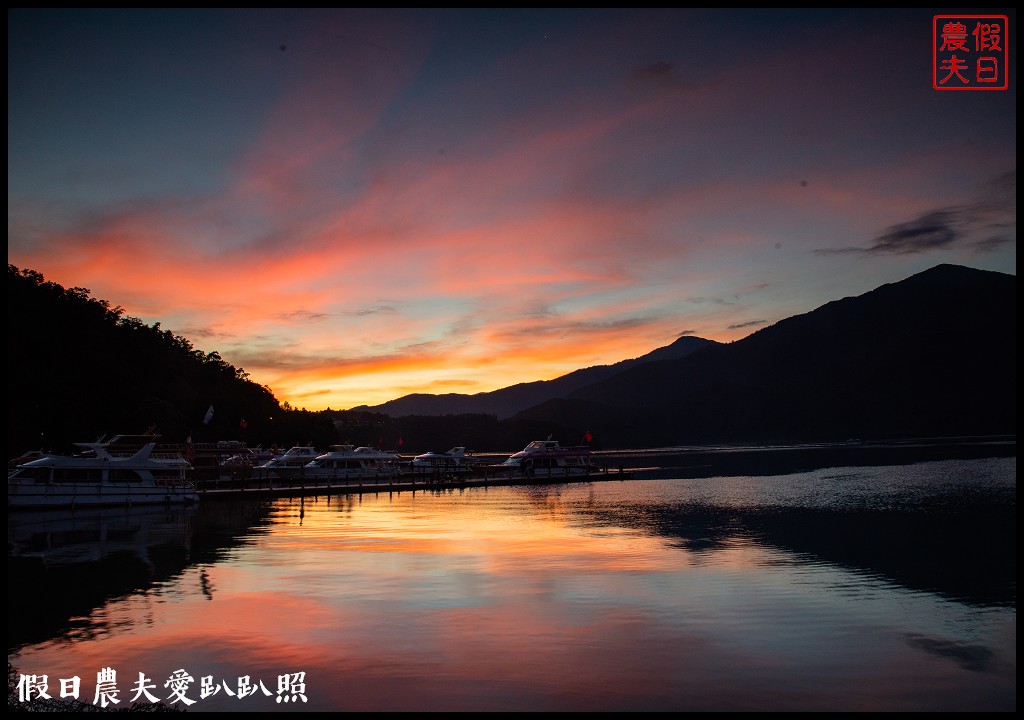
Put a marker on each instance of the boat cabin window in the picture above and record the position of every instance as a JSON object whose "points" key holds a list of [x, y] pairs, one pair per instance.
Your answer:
{"points": [[172, 473], [36, 474], [72, 475], [123, 475]]}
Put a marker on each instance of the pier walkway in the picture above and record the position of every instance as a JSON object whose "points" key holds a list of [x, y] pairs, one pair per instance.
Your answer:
{"points": [[280, 487]]}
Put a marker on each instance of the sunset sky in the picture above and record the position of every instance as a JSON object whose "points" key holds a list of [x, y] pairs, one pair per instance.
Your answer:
{"points": [[354, 205]]}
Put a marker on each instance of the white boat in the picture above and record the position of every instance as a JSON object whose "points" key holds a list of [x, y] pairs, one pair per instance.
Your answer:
{"points": [[546, 458], [455, 461], [125, 446], [247, 458], [98, 478], [292, 462], [347, 461]]}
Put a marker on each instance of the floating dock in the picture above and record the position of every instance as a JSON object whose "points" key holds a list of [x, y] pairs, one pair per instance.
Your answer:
{"points": [[267, 486]]}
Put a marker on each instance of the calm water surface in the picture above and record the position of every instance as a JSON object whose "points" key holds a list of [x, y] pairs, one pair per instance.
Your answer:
{"points": [[855, 588]]}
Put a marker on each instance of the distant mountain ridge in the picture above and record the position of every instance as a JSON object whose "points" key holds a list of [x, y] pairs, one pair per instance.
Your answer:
{"points": [[933, 355], [506, 402]]}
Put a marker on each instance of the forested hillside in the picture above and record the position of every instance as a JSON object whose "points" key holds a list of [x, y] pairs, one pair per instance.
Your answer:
{"points": [[80, 368]]}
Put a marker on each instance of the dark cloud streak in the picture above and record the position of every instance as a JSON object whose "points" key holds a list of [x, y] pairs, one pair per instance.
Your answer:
{"points": [[994, 216], [750, 323], [930, 231]]}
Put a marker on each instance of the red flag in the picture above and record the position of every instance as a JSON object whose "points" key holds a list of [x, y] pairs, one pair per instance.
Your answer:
{"points": [[399, 441], [588, 437]]}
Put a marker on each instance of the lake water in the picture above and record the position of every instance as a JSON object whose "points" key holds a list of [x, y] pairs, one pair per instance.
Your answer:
{"points": [[845, 588]]}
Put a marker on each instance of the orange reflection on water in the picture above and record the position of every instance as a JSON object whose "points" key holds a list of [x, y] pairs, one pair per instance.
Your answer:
{"points": [[467, 530]]}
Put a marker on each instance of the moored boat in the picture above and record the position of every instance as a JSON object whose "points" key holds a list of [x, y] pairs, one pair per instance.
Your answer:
{"points": [[453, 462], [98, 478], [125, 446], [292, 462], [348, 462], [247, 458], [548, 459]]}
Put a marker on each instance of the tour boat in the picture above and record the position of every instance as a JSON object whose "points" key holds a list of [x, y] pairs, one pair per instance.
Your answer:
{"points": [[346, 461], [292, 462], [98, 478], [547, 458], [453, 461]]}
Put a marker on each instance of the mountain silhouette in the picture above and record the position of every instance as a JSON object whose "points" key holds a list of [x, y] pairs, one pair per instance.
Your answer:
{"points": [[506, 402], [932, 355]]}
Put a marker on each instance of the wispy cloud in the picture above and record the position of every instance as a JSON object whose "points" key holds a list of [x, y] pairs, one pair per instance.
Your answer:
{"points": [[302, 316]]}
